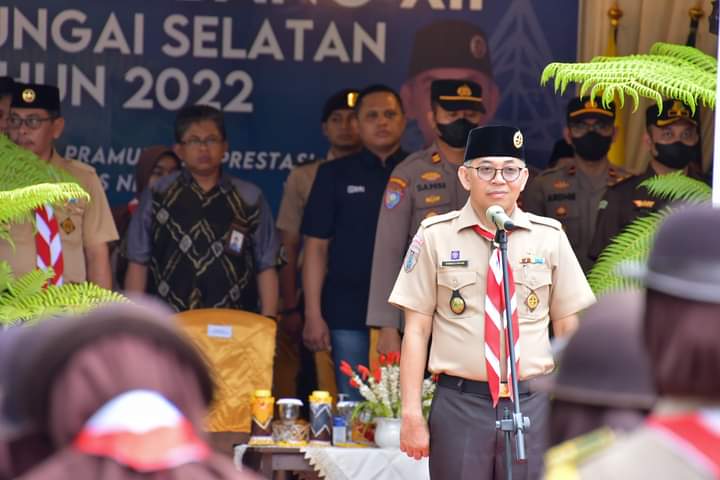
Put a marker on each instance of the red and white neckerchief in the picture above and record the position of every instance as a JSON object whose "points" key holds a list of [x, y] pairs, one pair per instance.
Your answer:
{"points": [[695, 435], [495, 320], [144, 431], [47, 243]]}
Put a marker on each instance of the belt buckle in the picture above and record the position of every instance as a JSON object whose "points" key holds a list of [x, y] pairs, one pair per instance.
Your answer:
{"points": [[504, 390]]}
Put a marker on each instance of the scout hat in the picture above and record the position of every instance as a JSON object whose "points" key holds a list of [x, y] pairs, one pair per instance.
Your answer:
{"points": [[495, 141], [604, 362], [685, 259], [672, 111], [453, 95], [450, 44], [585, 107], [7, 86], [32, 95], [345, 99]]}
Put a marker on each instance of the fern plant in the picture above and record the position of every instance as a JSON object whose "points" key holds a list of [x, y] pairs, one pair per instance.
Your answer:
{"points": [[633, 244], [668, 70], [27, 182]]}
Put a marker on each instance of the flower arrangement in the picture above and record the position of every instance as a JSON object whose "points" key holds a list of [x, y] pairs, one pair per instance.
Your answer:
{"points": [[381, 388]]}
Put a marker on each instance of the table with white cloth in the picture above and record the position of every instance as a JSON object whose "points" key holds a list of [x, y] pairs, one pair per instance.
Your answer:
{"points": [[332, 463]]}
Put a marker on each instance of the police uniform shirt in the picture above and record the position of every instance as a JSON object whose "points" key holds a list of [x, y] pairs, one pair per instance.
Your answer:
{"points": [[343, 207], [447, 255], [296, 194], [423, 185], [622, 204], [204, 249], [567, 194], [81, 224]]}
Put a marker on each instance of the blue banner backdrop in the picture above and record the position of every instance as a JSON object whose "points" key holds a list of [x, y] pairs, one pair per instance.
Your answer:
{"points": [[125, 68]]}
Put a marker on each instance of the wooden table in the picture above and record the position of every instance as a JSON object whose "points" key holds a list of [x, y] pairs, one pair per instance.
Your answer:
{"points": [[277, 462]]}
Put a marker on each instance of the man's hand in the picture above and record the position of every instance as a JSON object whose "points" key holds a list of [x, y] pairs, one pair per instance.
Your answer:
{"points": [[292, 325], [414, 436], [316, 335], [388, 340]]}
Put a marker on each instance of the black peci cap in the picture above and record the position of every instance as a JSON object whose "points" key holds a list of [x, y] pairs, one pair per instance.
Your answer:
{"points": [[32, 95], [495, 141]]}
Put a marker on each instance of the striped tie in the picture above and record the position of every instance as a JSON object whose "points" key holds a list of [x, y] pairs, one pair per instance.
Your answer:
{"points": [[495, 320], [48, 244]]}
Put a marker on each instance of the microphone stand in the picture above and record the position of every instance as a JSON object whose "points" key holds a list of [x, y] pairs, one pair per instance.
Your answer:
{"points": [[515, 424]]}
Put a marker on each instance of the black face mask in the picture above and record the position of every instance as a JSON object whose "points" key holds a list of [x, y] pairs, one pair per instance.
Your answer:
{"points": [[677, 155], [456, 133], [592, 146]]}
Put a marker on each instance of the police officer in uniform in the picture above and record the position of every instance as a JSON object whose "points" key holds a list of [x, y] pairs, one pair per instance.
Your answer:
{"points": [[673, 138], [681, 327], [425, 184], [85, 228], [443, 290], [571, 191]]}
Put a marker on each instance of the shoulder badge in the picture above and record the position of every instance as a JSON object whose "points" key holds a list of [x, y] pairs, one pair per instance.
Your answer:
{"points": [[435, 219], [394, 192], [413, 252], [548, 222]]}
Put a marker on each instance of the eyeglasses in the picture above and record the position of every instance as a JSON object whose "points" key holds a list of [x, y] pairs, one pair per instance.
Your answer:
{"points": [[197, 143], [581, 128], [509, 173], [33, 123]]}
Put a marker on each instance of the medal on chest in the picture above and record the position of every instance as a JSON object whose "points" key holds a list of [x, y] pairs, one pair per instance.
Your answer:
{"points": [[457, 303]]}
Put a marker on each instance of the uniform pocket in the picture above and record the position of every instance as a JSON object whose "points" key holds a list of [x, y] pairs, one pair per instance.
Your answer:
{"points": [[467, 287], [532, 290]]}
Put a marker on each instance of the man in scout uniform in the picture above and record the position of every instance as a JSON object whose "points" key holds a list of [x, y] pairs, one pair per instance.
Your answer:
{"points": [[7, 87], [85, 228], [571, 191], [339, 125], [448, 287], [673, 138], [681, 327], [446, 49], [425, 184]]}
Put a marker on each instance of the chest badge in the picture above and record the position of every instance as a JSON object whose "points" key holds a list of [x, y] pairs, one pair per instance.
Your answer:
{"points": [[532, 301], [561, 184], [68, 226], [457, 303]]}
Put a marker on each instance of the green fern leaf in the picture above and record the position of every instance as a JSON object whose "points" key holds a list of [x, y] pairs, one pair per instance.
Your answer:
{"points": [[679, 187]]}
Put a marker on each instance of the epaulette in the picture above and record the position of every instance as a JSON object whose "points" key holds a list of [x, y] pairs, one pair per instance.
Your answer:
{"points": [[562, 460], [548, 222], [616, 176], [440, 218]]}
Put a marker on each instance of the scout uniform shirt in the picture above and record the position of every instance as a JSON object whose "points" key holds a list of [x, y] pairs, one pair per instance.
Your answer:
{"points": [[567, 194], [422, 186], [81, 224], [448, 258]]}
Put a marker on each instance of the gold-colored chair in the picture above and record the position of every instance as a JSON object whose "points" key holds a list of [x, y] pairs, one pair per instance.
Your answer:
{"points": [[239, 347]]}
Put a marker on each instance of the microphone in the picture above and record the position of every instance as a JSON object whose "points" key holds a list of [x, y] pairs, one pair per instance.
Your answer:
{"points": [[499, 218]]}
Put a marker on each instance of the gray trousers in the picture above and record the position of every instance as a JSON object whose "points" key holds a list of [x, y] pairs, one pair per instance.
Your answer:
{"points": [[464, 444]]}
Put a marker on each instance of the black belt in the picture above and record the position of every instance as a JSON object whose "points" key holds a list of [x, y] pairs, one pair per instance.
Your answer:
{"points": [[475, 387]]}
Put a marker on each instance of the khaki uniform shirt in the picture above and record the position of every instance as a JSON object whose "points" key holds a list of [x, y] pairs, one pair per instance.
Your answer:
{"points": [[422, 186], [450, 255], [295, 195], [81, 224], [650, 453], [567, 194]]}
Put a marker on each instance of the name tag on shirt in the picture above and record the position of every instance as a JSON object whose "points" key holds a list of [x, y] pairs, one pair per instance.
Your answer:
{"points": [[219, 331], [355, 189]]}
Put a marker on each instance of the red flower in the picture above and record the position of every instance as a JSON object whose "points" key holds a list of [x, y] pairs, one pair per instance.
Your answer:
{"points": [[363, 371], [394, 358], [353, 383], [383, 359], [377, 374], [346, 369]]}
